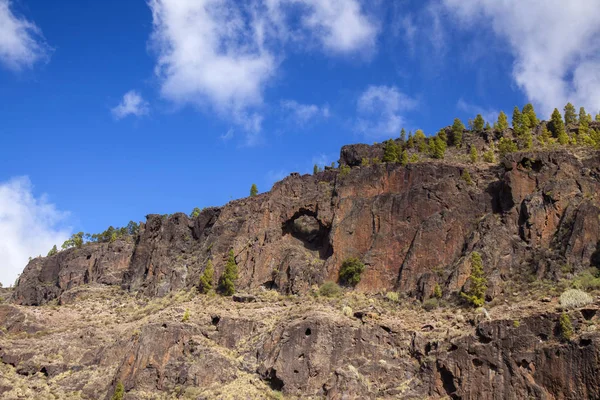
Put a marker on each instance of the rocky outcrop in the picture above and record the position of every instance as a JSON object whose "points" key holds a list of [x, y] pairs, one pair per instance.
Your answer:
{"points": [[412, 226], [46, 278]]}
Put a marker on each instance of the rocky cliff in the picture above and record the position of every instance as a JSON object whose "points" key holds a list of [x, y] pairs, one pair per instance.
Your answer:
{"points": [[128, 312], [412, 226]]}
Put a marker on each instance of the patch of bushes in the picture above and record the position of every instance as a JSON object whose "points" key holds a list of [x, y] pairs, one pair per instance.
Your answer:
{"points": [[330, 289], [392, 296], [574, 298], [345, 170], [351, 271]]}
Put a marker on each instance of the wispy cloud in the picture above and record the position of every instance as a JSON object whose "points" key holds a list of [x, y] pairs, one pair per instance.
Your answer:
{"points": [[489, 115], [556, 46], [131, 104], [29, 226], [302, 114], [380, 111], [21, 42]]}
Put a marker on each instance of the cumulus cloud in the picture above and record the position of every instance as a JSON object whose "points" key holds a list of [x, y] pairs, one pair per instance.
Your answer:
{"points": [[379, 109], [21, 41], [132, 104], [302, 114], [489, 115], [340, 25], [556, 46], [29, 226], [222, 54]]}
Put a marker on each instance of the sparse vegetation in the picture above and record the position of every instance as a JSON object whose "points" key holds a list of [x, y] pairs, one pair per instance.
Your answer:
{"points": [[195, 212], [52, 251], [473, 155], [392, 296], [253, 190], [186, 316], [431, 304], [351, 271], [437, 291], [345, 169]]}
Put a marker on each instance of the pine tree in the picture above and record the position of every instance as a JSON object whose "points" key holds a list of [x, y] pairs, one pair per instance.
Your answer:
{"points": [[584, 126], [478, 283], [437, 147], [404, 158], [487, 126], [527, 139], [391, 151], [517, 121], [420, 141], [457, 132], [52, 251], [474, 156], [403, 135], [230, 275], [545, 137], [253, 190], [206, 280], [410, 143], [502, 123], [570, 115], [557, 126], [119, 392], [315, 169], [478, 123], [531, 118]]}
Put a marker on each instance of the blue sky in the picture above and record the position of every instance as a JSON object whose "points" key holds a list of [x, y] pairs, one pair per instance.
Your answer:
{"points": [[116, 109]]}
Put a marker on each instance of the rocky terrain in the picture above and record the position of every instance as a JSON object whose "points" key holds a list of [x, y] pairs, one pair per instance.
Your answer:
{"points": [[83, 320]]}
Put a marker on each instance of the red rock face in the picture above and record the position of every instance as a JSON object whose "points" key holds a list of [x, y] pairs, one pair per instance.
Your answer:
{"points": [[412, 226]]}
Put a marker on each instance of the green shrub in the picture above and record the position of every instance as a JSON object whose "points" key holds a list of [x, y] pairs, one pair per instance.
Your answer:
{"points": [[516, 323], [431, 304], [506, 146], [476, 293], [186, 316], [330, 289], [457, 132], [473, 155], [119, 392], [392, 296], [404, 158], [489, 156], [230, 275], [351, 271], [206, 280], [437, 291], [365, 162], [565, 326], [466, 177], [345, 169], [573, 298], [195, 212]]}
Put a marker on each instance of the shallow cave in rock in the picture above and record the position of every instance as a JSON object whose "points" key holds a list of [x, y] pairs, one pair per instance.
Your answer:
{"points": [[306, 227]]}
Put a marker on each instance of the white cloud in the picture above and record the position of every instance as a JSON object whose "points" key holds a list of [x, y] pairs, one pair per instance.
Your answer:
{"points": [[222, 54], [379, 109], [340, 25], [21, 41], [132, 104], [490, 116], [228, 135], [304, 113], [29, 226], [556, 45]]}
